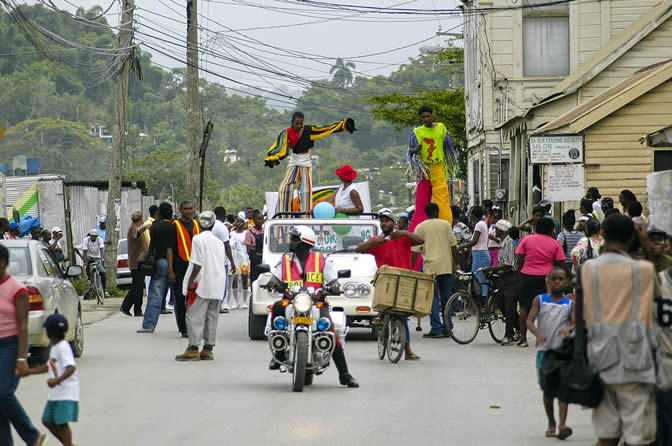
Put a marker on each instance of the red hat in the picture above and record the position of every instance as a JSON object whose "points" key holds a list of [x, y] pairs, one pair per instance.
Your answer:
{"points": [[346, 172]]}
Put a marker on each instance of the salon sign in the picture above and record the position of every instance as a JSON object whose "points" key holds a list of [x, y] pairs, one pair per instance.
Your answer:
{"points": [[556, 149]]}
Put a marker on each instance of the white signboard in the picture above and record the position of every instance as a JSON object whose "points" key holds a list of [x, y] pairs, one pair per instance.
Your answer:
{"points": [[564, 182], [556, 149]]}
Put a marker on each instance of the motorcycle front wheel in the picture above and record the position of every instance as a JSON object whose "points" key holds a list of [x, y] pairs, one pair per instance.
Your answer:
{"points": [[300, 360]]}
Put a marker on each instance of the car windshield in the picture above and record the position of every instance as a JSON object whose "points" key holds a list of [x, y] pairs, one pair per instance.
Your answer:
{"points": [[330, 237], [122, 248], [19, 262]]}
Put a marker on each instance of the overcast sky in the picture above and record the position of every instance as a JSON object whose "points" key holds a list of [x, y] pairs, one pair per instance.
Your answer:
{"points": [[348, 35]]}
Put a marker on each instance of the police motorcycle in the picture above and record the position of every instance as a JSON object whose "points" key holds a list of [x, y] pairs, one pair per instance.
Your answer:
{"points": [[302, 341]]}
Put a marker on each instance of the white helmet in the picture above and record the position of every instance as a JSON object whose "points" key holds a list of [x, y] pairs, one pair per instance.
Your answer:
{"points": [[305, 234]]}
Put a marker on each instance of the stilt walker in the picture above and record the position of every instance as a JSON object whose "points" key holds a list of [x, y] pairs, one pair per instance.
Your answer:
{"points": [[300, 139], [432, 160]]}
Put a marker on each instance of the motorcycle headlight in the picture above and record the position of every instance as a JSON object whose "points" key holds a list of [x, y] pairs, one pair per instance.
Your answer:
{"points": [[280, 323], [350, 290], [323, 324], [363, 290], [302, 303]]}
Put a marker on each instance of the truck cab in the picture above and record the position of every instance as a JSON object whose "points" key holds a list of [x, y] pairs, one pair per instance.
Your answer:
{"points": [[337, 239]]}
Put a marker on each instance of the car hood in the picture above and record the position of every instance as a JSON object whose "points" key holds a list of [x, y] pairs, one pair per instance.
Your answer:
{"points": [[362, 266]]}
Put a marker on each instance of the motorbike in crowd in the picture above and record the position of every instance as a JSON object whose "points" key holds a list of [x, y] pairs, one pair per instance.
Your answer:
{"points": [[305, 337]]}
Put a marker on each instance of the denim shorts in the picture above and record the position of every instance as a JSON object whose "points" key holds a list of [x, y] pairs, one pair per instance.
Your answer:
{"points": [[61, 412]]}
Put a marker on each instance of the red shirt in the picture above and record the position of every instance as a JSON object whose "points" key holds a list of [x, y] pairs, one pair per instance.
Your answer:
{"points": [[396, 253]]}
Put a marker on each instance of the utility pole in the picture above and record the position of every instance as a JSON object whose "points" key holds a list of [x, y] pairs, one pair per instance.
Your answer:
{"points": [[201, 154], [193, 105], [118, 142]]}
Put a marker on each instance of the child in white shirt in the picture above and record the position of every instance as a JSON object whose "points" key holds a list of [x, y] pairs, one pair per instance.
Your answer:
{"points": [[63, 399]]}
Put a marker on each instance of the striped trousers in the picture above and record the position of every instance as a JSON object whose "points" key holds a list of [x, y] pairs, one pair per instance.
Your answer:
{"points": [[299, 179]]}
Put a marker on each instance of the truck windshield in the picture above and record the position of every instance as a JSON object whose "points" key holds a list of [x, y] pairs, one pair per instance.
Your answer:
{"points": [[330, 237]]}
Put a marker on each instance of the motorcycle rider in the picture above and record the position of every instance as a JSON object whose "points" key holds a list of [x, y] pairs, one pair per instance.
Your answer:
{"points": [[308, 267]]}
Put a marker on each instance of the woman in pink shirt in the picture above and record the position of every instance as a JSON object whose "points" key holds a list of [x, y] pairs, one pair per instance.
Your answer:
{"points": [[13, 346], [537, 254]]}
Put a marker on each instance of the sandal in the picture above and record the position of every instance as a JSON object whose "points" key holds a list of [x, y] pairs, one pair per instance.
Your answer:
{"points": [[412, 357], [523, 344], [550, 432], [565, 433]]}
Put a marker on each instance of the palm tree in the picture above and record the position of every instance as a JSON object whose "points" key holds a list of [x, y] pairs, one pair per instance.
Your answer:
{"points": [[342, 72]]}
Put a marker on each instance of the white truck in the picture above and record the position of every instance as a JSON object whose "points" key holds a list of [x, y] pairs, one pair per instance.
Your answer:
{"points": [[337, 239]]}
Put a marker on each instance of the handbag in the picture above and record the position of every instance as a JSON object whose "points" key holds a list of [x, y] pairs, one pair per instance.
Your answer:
{"points": [[147, 263], [581, 384]]}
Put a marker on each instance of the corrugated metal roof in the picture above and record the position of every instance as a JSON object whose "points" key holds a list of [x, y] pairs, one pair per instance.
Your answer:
{"points": [[607, 96]]}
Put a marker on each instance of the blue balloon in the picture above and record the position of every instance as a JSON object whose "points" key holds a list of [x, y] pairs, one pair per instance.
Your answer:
{"points": [[324, 210]]}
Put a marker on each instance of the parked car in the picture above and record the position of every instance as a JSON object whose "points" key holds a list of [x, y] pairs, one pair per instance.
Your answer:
{"points": [[123, 273], [337, 240], [50, 292]]}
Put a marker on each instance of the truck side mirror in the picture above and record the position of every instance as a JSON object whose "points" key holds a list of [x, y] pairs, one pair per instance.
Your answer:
{"points": [[344, 274]]}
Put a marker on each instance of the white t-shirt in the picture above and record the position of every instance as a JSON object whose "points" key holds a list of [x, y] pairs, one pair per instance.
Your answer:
{"points": [[482, 244], [60, 358], [222, 232], [93, 248], [208, 252]]}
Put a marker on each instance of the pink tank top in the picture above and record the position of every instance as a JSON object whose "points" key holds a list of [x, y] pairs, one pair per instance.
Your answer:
{"points": [[10, 288]]}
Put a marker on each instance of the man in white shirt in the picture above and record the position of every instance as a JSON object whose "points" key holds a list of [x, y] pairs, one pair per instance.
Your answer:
{"points": [[222, 232], [203, 286], [93, 250]]}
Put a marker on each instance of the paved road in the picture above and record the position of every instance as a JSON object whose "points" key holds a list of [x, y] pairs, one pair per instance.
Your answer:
{"points": [[135, 393]]}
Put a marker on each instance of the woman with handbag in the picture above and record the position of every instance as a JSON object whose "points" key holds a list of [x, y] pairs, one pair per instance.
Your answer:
{"points": [[137, 249]]}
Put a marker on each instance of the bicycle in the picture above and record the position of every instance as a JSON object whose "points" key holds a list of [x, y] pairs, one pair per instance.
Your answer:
{"points": [[466, 314], [391, 336], [96, 282]]}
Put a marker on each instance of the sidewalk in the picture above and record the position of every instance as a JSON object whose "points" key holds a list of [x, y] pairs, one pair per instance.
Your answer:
{"points": [[92, 312]]}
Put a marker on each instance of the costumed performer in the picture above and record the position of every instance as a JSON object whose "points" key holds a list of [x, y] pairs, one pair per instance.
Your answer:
{"points": [[300, 139], [432, 161]]}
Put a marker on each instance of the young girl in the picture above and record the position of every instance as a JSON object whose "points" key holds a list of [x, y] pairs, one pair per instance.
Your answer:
{"points": [[63, 400], [555, 312]]}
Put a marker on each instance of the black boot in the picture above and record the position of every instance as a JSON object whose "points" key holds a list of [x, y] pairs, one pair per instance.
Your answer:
{"points": [[275, 365], [344, 377]]}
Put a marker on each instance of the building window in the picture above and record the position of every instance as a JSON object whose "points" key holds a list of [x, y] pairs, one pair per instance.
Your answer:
{"points": [[662, 160], [545, 39]]}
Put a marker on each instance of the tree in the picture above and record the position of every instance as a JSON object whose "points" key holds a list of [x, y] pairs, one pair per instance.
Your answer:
{"points": [[342, 72]]}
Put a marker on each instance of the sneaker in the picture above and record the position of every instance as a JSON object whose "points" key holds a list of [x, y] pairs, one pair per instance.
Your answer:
{"points": [[42, 440], [432, 335], [166, 311], [170, 307], [346, 379], [507, 342], [206, 353], [224, 309], [190, 354], [145, 330], [274, 365]]}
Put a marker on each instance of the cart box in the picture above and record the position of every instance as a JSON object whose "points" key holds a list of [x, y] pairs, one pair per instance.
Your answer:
{"points": [[403, 290]]}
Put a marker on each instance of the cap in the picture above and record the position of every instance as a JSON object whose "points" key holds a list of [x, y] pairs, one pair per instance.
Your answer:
{"points": [[242, 215], [503, 225], [585, 218], [653, 230], [404, 215], [544, 203], [206, 219], [410, 209], [346, 172], [56, 322], [13, 225], [385, 212], [56, 229], [93, 232]]}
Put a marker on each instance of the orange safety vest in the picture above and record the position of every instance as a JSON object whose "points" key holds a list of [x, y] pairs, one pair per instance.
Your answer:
{"points": [[184, 240], [314, 267]]}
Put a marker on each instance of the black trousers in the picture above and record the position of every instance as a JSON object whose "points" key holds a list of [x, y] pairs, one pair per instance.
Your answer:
{"points": [[507, 300], [338, 356], [180, 269], [134, 295]]}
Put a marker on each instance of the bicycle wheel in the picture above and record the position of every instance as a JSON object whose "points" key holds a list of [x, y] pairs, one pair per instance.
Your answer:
{"points": [[496, 321], [396, 341], [98, 288], [381, 332], [464, 317]]}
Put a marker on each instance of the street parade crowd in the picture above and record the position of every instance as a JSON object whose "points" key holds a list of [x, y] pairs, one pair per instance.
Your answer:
{"points": [[600, 277]]}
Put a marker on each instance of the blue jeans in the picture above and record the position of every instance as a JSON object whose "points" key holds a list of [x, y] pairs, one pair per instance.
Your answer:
{"points": [[442, 290], [157, 290], [480, 259], [11, 410]]}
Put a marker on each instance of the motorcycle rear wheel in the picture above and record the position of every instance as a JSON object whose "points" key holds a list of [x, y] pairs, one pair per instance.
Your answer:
{"points": [[300, 360]]}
